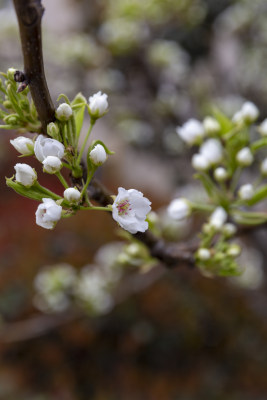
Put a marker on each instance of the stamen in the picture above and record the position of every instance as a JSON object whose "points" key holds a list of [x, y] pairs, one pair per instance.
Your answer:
{"points": [[123, 207]]}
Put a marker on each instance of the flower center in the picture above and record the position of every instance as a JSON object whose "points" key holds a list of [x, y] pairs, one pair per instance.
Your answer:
{"points": [[123, 207]]}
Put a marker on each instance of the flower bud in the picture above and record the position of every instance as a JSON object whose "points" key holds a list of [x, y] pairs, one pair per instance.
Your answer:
{"points": [[229, 229], [200, 163], [64, 112], [11, 119], [238, 117], [246, 191], [45, 147], [263, 128], [72, 195], [250, 112], [212, 150], [179, 209], [10, 73], [220, 174], [191, 132], [98, 155], [211, 126], [98, 105], [23, 145], [218, 218], [48, 213], [25, 174], [244, 157], [53, 130], [234, 250], [52, 164], [203, 254], [7, 104]]}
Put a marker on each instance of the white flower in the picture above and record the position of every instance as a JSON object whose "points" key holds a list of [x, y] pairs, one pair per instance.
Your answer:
{"points": [[130, 209], [220, 174], [25, 174], [48, 213], [23, 145], [179, 209], [264, 167], [238, 117], [45, 147], [246, 191], [64, 112], [191, 132], [98, 104], [234, 250], [72, 195], [203, 254], [199, 162], [249, 112], [52, 164], [244, 157], [98, 155], [211, 125], [263, 128], [212, 150], [218, 218]]}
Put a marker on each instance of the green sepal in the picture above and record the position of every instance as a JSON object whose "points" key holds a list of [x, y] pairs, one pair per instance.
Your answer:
{"points": [[35, 192], [65, 97]]}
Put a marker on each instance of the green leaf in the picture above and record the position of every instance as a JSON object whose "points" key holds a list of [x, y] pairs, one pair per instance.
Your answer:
{"points": [[225, 123], [79, 116], [35, 192]]}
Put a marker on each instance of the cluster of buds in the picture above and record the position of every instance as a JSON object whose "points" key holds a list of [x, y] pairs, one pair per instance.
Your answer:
{"points": [[60, 150]]}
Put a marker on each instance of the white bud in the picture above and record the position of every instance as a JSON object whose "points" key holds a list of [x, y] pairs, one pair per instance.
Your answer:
{"points": [[264, 167], [23, 145], [52, 164], [218, 218], [64, 112], [212, 150], [191, 132], [48, 213], [249, 111], [229, 229], [25, 174], [203, 254], [263, 128], [179, 209], [98, 155], [72, 195], [200, 163], [238, 117], [244, 157], [211, 125], [234, 250], [45, 147], [98, 104], [246, 191], [220, 174]]}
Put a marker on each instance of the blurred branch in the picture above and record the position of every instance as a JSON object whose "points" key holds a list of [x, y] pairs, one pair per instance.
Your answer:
{"points": [[29, 14]]}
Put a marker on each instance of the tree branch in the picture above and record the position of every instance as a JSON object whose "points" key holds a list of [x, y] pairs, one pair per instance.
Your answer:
{"points": [[29, 14]]}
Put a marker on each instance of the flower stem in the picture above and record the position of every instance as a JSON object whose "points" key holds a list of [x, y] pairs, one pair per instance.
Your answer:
{"points": [[62, 180], [85, 141]]}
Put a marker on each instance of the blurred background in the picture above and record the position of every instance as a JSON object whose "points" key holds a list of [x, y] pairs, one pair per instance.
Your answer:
{"points": [[68, 332]]}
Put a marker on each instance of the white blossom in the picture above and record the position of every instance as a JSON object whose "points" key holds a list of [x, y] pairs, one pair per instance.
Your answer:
{"points": [[264, 167], [72, 195], [234, 250], [238, 117], [203, 254], [48, 213], [98, 104], [229, 229], [218, 218], [129, 209], [246, 191], [98, 155], [45, 147], [179, 209], [220, 174], [25, 174], [23, 145], [64, 112], [263, 128], [250, 111], [211, 125], [244, 157], [212, 150], [191, 132], [52, 164], [200, 163]]}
